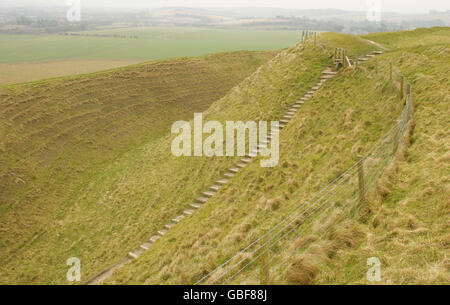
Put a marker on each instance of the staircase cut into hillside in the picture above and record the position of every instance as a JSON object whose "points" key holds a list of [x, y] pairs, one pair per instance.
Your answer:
{"points": [[204, 197]]}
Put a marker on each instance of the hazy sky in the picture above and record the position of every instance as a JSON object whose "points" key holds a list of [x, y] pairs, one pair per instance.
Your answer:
{"points": [[400, 6]]}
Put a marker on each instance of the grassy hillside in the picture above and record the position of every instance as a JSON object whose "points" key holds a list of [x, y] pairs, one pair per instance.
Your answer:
{"points": [[105, 187], [347, 116], [407, 227], [123, 203], [411, 39], [59, 137], [405, 223]]}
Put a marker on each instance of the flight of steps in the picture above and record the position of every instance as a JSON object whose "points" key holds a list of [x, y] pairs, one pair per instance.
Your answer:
{"points": [[328, 73], [367, 57]]}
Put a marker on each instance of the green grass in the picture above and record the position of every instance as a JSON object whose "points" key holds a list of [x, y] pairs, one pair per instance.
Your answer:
{"points": [[407, 225], [410, 39], [153, 43]]}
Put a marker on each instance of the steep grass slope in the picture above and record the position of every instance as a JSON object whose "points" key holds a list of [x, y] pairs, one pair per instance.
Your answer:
{"points": [[122, 203], [407, 221], [59, 137], [345, 118]]}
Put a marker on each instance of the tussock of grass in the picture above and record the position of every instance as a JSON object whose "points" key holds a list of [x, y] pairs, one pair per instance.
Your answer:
{"points": [[302, 270]]}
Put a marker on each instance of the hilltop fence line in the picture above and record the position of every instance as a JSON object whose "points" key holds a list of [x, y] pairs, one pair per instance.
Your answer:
{"points": [[341, 198]]}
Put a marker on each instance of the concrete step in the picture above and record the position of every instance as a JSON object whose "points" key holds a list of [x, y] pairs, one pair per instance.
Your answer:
{"points": [[296, 106], [209, 193], [370, 55], [315, 87], [146, 246], [195, 205], [154, 238], [162, 232], [222, 181], [284, 121], [202, 199], [329, 73], [288, 116], [215, 187], [170, 225], [246, 160], [229, 175], [178, 218], [135, 254], [188, 212], [241, 165], [234, 170], [378, 52]]}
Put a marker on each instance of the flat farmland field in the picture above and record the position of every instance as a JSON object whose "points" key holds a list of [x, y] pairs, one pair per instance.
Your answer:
{"points": [[53, 55]]}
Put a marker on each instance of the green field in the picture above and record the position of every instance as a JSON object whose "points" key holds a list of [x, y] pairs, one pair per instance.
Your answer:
{"points": [[152, 43]]}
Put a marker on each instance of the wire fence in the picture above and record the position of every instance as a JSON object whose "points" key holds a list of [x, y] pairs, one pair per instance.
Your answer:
{"points": [[313, 219]]}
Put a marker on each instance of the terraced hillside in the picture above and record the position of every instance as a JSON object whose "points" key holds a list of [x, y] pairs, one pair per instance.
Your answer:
{"points": [[59, 136], [404, 224]]}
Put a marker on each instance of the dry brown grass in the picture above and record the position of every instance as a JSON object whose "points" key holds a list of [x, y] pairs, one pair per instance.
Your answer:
{"points": [[33, 71], [303, 270]]}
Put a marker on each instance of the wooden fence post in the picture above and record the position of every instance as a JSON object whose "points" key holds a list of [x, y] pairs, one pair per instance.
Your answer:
{"points": [[376, 66], [315, 38], [362, 186], [402, 87]]}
